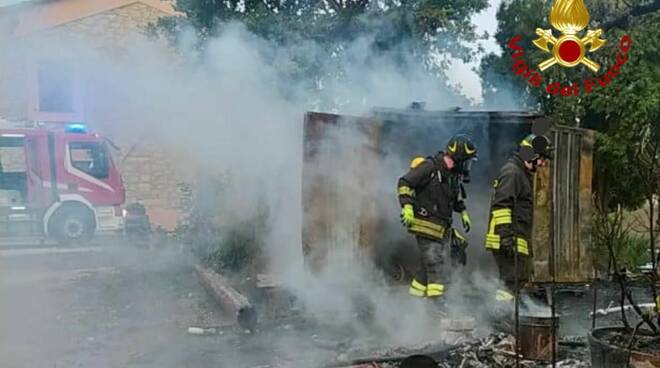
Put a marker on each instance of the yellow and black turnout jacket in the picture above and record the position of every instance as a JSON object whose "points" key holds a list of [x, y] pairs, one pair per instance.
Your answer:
{"points": [[512, 206], [434, 191]]}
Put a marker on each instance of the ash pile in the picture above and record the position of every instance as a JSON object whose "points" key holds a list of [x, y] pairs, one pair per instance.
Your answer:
{"points": [[497, 350]]}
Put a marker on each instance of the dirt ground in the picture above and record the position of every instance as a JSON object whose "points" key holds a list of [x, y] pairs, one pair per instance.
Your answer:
{"points": [[107, 306], [118, 306]]}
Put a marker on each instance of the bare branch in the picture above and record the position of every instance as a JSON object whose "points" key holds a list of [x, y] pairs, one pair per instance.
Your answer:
{"points": [[645, 317], [335, 4], [627, 4]]}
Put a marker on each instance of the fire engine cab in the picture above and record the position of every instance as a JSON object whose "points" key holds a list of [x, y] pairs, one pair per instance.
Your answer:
{"points": [[59, 183]]}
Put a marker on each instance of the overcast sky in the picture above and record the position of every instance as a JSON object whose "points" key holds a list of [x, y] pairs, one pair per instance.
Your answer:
{"points": [[9, 2], [485, 21], [463, 74]]}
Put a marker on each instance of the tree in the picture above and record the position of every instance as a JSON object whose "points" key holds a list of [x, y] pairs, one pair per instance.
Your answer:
{"points": [[318, 33], [434, 25], [629, 102]]}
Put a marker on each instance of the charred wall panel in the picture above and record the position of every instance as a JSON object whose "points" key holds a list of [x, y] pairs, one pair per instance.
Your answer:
{"points": [[339, 211], [585, 270], [543, 223], [317, 191], [564, 219]]}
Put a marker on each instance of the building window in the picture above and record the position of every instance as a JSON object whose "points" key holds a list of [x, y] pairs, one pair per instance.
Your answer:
{"points": [[55, 91], [56, 83], [90, 158]]}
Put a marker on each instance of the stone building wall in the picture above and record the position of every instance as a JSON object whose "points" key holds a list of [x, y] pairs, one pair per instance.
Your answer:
{"points": [[111, 28]]}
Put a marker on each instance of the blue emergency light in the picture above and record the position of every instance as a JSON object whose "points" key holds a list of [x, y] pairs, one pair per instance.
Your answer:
{"points": [[76, 128]]}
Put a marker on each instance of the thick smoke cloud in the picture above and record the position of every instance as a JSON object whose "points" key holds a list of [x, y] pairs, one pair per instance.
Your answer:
{"points": [[232, 110]]}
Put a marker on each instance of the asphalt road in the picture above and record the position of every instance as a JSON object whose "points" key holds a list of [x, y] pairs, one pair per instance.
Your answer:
{"points": [[115, 306], [102, 306]]}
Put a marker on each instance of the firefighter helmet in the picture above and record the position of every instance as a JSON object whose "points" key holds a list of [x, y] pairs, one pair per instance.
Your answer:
{"points": [[461, 148], [539, 144]]}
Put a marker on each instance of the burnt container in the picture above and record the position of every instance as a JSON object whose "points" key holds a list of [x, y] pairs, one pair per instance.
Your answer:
{"points": [[606, 355], [537, 335]]}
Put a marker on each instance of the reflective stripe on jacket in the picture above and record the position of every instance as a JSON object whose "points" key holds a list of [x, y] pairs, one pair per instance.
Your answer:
{"points": [[434, 192], [512, 207]]}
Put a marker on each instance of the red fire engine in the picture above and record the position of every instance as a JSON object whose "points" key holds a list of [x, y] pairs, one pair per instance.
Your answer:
{"points": [[59, 183]]}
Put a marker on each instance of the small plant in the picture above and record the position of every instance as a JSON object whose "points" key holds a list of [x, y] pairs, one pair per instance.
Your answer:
{"points": [[634, 252], [238, 248], [609, 236], [213, 235], [630, 250]]}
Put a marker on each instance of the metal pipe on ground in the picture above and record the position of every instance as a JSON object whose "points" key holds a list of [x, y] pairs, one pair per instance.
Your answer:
{"points": [[409, 361], [229, 298], [433, 355]]}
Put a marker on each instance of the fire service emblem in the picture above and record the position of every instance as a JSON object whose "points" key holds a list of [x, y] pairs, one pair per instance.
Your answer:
{"points": [[568, 50]]}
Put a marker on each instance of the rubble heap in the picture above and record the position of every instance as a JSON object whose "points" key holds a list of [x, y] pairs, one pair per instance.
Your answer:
{"points": [[497, 350]]}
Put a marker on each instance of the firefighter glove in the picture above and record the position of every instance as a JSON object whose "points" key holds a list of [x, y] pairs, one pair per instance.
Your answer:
{"points": [[508, 245], [467, 223], [407, 215]]}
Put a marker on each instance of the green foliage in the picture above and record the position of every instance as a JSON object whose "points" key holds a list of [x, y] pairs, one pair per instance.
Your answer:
{"points": [[629, 250], [633, 94], [214, 236], [239, 248], [317, 34], [624, 113], [634, 252], [441, 24], [609, 233], [612, 157]]}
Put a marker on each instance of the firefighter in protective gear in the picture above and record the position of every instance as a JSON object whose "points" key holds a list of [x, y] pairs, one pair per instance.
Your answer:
{"points": [[511, 214], [429, 193]]}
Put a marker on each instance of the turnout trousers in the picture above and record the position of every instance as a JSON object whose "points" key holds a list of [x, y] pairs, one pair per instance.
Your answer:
{"points": [[432, 272]]}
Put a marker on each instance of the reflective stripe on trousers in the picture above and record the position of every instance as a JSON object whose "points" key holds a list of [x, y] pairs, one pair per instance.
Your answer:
{"points": [[417, 288], [432, 290], [435, 290]]}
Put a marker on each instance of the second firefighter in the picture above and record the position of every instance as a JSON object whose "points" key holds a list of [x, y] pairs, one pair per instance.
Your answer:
{"points": [[511, 215], [429, 193]]}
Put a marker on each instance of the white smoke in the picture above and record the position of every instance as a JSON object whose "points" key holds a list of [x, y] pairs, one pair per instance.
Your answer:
{"points": [[231, 110]]}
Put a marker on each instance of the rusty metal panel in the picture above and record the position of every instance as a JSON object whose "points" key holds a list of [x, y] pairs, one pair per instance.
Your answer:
{"points": [[563, 208], [585, 201], [370, 163], [317, 194], [543, 223], [340, 160]]}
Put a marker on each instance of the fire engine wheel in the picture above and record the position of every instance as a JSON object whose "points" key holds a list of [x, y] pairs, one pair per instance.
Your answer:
{"points": [[72, 225]]}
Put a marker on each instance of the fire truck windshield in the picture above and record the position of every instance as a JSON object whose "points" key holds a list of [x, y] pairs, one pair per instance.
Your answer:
{"points": [[90, 158]]}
